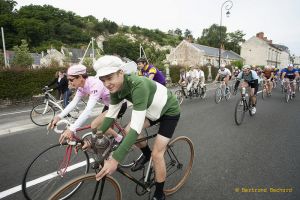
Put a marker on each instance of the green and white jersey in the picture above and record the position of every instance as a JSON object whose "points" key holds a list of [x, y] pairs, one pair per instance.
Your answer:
{"points": [[150, 100]]}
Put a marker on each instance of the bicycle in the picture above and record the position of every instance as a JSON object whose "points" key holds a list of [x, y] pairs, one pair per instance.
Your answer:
{"points": [[56, 165], [110, 189], [265, 89], [43, 113], [241, 107], [222, 92], [194, 92], [287, 88]]}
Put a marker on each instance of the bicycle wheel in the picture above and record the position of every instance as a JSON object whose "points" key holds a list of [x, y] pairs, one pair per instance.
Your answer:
{"points": [[42, 114], [287, 96], [227, 94], [179, 159], [78, 109], [218, 95], [107, 188], [239, 112], [179, 96], [203, 94], [42, 176], [263, 92]]}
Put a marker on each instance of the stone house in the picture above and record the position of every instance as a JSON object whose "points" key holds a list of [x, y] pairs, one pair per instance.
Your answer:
{"points": [[258, 50], [187, 53]]}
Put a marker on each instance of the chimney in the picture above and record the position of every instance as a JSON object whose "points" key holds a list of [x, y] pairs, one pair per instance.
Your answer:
{"points": [[260, 35]]}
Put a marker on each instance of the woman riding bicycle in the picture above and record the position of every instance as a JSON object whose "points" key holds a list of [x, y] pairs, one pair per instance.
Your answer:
{"points": [[86, 86]]}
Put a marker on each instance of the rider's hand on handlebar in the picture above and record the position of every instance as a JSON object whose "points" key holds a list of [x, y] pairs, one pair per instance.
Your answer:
{"points": [[54, 121], [66, 135]]}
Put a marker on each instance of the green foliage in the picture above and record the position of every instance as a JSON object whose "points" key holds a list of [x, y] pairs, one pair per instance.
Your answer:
{"points": [[121, 45], [7, 6], [175, 72], [238, 63], [23, 84], [231, 41], [2, 62], [22, 56]]}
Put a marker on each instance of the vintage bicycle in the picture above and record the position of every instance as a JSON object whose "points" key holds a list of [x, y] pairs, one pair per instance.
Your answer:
{"points": [[242, 106], [42, 113], [222, 92], [179, 158]]}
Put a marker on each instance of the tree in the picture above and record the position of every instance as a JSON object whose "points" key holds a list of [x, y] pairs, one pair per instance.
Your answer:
{"points": [[178, 32], [211, 36], [187, 33], [235, 40], [7, 6], [22, 56]]}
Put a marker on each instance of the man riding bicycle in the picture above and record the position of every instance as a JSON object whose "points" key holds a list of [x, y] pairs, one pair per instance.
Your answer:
{"points": [[224, 74], [250, 78], [86, 86], [268, 76], [148, 70], [290, 74], [152, 103], [194, 77]]}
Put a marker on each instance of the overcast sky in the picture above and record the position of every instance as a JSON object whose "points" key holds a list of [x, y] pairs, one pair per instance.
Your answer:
{"points": [[279, 20]]}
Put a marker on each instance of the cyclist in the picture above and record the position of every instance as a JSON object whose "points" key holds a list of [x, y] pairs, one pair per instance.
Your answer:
{"points": [[86, 86], [152, 103], [224, 74], [268, 76], [290, 74], [236, 72], [194, 78], [183, 79], [201, 79], [250, 78], [148, 70]]}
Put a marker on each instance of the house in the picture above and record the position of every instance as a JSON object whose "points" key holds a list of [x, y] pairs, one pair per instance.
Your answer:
{"points": [[187, 53], [258, 50]]}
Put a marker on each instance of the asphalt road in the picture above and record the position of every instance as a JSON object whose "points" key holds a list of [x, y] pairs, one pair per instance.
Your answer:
{"points": [[230, 163]]}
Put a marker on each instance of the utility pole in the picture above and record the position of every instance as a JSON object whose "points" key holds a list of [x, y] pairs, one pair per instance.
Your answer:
{"points": [[4, 50]]}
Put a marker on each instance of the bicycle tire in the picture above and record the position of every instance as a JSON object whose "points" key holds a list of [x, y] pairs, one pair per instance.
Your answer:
{"points": [[218, 95], [90, 186], [239, 108], [203, 95], [228, 94], [263, 92], [287, 97], [41, 176], [44, 114], [179, 150], [179, 96]]}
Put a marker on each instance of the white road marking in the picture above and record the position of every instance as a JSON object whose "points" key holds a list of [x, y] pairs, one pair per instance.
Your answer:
{"points": [[40, 180]]}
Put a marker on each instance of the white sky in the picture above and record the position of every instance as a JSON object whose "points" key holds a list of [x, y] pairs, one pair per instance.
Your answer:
{"points": [[279, 20]]}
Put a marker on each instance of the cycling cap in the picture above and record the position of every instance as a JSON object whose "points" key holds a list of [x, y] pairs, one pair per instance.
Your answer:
{"points": [[77, 69], [107, 65], [142, 59], [291, 65], [246, 67], [222, 65]]}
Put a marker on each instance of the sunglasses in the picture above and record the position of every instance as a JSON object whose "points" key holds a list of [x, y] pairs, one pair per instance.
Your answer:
{"points": [[71, 80]]}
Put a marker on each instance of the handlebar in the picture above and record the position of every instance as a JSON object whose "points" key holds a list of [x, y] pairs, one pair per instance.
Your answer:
{"points": [[47, 89]]}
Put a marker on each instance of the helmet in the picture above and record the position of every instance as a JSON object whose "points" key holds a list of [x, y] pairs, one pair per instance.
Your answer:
{"points": [[106, 65], [142, 59], [222, 66], [290, 65], [246, 67], [267, 67], [77, 69], [236, 68]]}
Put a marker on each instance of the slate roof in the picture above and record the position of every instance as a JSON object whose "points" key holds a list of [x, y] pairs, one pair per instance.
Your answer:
{"points": [[211, 51]]}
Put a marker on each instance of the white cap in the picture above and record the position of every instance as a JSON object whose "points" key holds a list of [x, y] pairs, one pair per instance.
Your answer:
{"points": [[246, 67], [107, 65], [76, 69], [222, 65], [291, 65]]}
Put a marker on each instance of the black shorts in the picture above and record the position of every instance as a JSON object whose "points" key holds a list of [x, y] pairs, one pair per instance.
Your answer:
{"points": [[121, 112], [253, 84], [167, 125]]}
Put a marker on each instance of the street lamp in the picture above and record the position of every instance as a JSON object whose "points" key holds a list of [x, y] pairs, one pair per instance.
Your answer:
{"points": [[228, 6]]}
